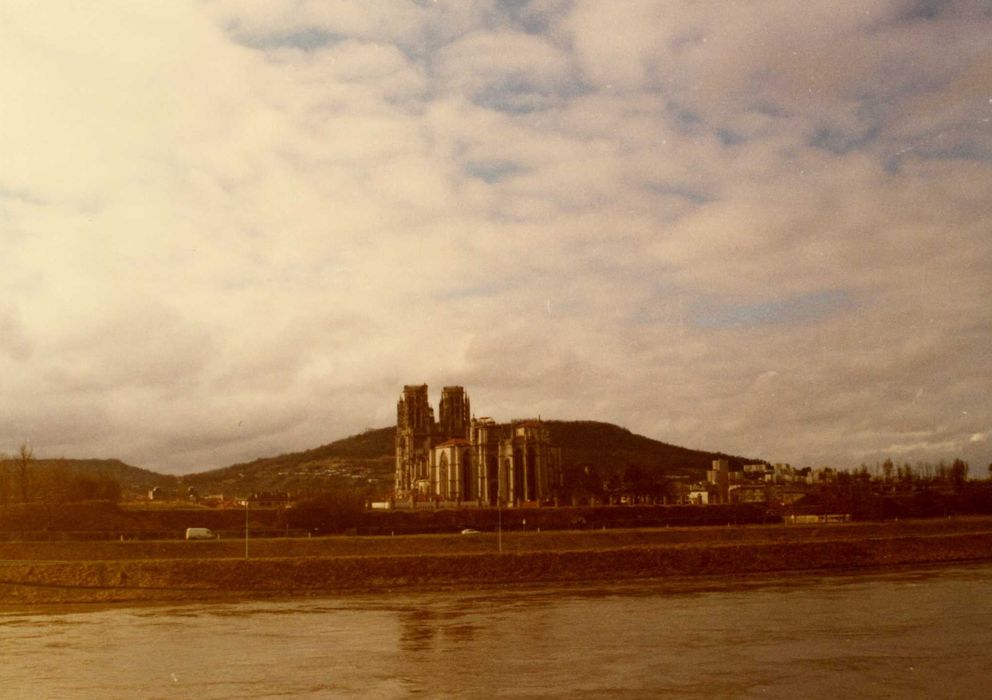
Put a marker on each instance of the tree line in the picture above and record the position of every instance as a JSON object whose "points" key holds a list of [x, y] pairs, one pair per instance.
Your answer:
{"points": [[907, 476], [24, 480]]}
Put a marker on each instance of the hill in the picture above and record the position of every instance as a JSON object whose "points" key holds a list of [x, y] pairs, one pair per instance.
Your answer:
{"points": [[58, 474], [366, 461], [611, 449]]}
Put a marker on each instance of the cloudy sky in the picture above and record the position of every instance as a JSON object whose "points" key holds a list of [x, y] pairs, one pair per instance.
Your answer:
{"points": [[235, 229]]}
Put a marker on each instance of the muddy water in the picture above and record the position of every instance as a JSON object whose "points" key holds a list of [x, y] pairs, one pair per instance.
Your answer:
{"points": [[910, 634]]}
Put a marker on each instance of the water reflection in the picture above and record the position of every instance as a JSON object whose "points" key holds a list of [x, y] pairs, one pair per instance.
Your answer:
{"points": [[418, 629]]}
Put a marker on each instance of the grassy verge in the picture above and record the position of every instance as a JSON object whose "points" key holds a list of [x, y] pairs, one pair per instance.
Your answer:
{"points": [[194, 571]]}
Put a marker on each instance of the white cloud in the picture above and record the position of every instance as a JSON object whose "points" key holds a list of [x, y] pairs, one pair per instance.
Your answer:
{"points": [[14, 343], [510, 70], [234, 229], [267, 22]]}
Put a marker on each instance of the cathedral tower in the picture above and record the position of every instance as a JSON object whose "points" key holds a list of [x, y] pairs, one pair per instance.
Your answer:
{"points": [[454, 413], [414, 439]]}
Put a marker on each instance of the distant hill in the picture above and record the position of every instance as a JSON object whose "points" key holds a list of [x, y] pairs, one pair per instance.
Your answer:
{"points": [[611, 449], [134, 481], [367, 461]]}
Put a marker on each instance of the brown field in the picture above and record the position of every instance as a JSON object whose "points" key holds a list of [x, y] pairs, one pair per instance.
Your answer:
{"points": [[37, 573]]}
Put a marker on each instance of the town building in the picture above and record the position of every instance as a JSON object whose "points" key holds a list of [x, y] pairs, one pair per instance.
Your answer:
{"points": [[721, 477], [463, 459]]}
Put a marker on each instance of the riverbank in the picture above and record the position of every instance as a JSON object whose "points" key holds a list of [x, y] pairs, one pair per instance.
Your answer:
{"points": [[136, 572]]}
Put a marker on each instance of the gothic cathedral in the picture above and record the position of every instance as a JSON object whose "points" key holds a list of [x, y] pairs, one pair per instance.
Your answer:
{"points": [[460, 458]]}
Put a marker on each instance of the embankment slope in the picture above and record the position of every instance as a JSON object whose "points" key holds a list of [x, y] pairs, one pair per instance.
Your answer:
{"points": [[389, 564]]}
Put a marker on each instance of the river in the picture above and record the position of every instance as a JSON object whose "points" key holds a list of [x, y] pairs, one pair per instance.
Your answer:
{"points": [[909, 634]]}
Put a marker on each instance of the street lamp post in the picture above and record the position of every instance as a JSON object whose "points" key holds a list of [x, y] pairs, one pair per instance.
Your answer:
{"points": [[499, 526], [246, 528]]}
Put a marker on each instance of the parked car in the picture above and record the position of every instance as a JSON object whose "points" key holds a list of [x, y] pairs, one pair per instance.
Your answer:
{"points": [[199, 533]]}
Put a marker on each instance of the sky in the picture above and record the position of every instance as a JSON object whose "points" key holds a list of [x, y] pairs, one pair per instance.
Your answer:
{"points": [[235, 229]]}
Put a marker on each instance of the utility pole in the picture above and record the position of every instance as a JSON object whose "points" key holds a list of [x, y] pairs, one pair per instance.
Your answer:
{"points": [[499, 525], [246, 528]]}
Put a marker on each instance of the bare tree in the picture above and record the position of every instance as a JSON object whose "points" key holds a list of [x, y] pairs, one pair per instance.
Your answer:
{"points": [[23, 462], [887, 467], [959, 473]]}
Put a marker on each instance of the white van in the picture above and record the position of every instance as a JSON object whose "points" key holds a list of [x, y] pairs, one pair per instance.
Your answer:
{"points": [[199, 533]]}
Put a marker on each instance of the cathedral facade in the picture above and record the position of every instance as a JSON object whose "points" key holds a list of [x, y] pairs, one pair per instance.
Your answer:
{"points": [[460, 458]]}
